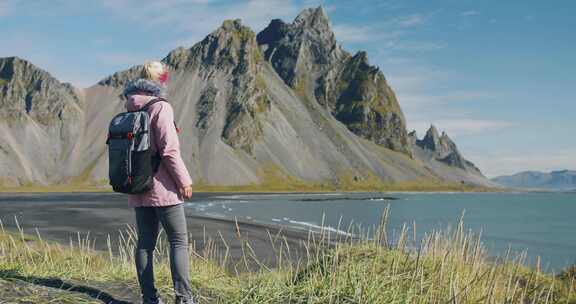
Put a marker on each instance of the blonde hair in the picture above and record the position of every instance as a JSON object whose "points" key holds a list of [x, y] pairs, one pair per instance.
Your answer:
{"points": [[153, 69]]}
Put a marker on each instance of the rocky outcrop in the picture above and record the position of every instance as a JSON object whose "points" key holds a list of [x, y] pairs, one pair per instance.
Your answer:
{"points": [[304, 50], [31, 93], [307, 57], [441, 148], [231, 52], [38, 119], [234, 47], [367, 105], [285, 106]]}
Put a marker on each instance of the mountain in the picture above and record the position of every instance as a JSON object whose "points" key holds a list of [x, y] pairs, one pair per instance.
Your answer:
{"points": [[285, 107], [38, 123], [306, 56], [564, 180], [442, 149]]}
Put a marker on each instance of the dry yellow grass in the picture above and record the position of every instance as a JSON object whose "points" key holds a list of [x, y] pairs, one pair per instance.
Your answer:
{"points": [[449, 266]]}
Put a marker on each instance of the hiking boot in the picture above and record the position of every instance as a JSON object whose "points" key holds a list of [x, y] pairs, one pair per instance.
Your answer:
{"points": [[182, 300], [152, 301]]}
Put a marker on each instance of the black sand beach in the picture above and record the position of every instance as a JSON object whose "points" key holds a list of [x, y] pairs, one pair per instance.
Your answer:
{"points": [[63, 217]]}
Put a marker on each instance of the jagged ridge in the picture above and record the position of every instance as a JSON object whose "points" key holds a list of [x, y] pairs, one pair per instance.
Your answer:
{"points": [[28, 91], [306, 55], [38, 119], [287, 102], [441, 148]]}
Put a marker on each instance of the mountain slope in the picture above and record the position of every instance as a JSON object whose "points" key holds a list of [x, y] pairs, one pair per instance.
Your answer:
{"points": [[307, 57], [555, 180], [38, 115], [306, 113]]}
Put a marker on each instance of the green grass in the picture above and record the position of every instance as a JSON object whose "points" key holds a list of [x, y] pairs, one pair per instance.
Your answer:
{"points": [[448, 266], [276, 184], [275, 180]]}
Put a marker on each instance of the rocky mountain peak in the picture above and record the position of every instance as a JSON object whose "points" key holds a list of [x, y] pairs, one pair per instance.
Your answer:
{"points": [[360, 97], [306, 55], [305, 46], [447, 143], [361, 56], [232, 33], [233, 51], [233, 46], [13, 68], [442, 145], [442, 148], [313, 18], [29, 91], [276, 28], [14, 60], [39, 120], [431, 140], [433, 132], [7, 71], [241, 124]]}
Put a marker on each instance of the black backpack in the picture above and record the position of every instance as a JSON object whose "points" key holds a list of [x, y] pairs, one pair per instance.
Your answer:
{"points": [[131, 163]]}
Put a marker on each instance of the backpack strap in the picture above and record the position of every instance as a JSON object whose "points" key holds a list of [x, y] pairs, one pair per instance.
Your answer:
{"points": [[156, 158], [151, 102]]}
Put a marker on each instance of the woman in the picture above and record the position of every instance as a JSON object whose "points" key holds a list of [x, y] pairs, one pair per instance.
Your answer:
{"points": [[172, 184]]}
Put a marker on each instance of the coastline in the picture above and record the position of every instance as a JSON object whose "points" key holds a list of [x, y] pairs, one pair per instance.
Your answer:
{"points": [[247, 189], [232, 260], [107, 215]]}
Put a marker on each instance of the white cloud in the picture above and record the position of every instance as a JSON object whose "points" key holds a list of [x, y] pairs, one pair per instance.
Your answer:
{"points": [[495, 164], [412, 20], [445, 111], [412, 45], [417, 88], [469, 13], [347, 33], [419, 100], [390, 34], [198, 18], [460, 127]]}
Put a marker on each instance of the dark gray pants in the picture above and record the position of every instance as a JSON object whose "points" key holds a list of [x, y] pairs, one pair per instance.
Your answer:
{"points": [[173, 220]]}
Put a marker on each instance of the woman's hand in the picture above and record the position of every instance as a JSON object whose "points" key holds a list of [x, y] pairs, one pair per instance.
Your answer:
{"points": [[186, 192]]}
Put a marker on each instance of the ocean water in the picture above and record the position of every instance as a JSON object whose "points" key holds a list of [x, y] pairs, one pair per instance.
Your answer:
{"points": [[542, 224]]}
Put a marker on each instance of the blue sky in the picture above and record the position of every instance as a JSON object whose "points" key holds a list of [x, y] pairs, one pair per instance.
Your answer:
{"points": [[498, 76]]}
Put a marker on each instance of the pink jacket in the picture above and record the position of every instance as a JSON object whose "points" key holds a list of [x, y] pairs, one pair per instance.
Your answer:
{"points": [[172, 174]]}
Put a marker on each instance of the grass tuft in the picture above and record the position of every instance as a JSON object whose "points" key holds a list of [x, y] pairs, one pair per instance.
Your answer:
{"points": [[448, 266]]}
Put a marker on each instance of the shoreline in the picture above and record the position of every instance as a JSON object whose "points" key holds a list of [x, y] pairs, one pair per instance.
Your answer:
{"points": [[230, 255], [394, 187], [103, 215], [60, 217]]}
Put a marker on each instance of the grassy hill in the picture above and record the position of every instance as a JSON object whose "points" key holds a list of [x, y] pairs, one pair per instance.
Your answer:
{"points": [[446, 267]]}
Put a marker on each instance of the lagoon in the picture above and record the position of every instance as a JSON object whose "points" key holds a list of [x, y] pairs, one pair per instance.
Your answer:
{"points": [[542, 224]]}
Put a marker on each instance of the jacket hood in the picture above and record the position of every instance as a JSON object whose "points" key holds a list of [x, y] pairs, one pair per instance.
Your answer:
{"points": [[145, 87], [136, 102], [141, 91]]}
